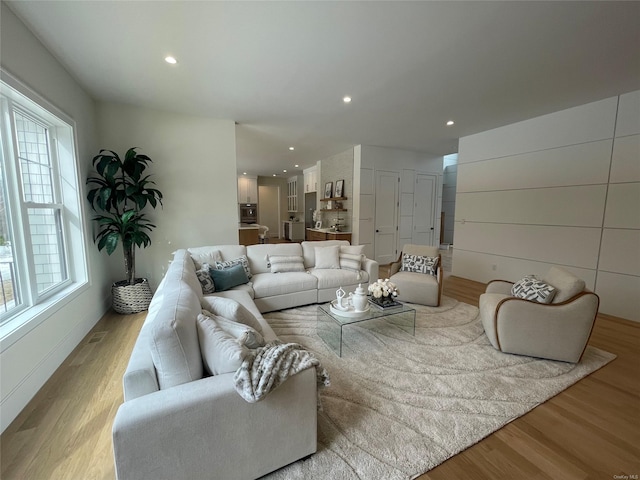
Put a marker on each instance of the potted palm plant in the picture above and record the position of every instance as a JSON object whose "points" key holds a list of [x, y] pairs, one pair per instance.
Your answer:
{"points": [[120, 192]]}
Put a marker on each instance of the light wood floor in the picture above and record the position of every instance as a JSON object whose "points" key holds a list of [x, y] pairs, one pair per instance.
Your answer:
{"points": [[589, 431]]}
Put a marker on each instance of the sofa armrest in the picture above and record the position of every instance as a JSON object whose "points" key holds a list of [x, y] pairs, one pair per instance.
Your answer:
{"points": [[372, 268], [558, 331], [140, 376], [205, 428], [499, 286]]}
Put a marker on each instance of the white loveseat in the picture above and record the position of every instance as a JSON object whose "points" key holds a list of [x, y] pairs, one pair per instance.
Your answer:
{"points": [[178, 423]]}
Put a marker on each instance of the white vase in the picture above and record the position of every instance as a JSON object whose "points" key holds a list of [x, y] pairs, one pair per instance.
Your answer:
{"points": [[359, 299]]}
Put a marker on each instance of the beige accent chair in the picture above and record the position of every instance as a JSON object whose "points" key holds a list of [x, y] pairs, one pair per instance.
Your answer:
{"points": [[421, 288], [558, 331]]}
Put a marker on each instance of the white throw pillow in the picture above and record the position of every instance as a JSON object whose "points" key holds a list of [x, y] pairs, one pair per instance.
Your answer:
{"points": [[229, 308], [244, 334], [530, 288], [419, 264], [328, 257], [352, 249], [221, 352], [285, 263], [202, 255], [351, 261]]}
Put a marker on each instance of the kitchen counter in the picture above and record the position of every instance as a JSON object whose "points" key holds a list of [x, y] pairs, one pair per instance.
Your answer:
{"points": [[314, 234], [248, 234]]}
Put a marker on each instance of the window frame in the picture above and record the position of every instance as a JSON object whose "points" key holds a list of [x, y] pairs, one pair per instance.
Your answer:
{"points": [[67, 192]]}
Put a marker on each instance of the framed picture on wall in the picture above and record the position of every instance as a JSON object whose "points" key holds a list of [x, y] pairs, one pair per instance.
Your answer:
{"points": [[339, 188], [328, 190]]}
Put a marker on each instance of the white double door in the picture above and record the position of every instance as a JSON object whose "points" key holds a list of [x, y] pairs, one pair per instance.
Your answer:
{"points": [[387, 207]]}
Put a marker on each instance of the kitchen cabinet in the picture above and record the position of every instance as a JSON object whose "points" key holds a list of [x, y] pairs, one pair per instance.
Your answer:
{"points": [[247, 189], [310, 180], [293, 231], [248, 236]]}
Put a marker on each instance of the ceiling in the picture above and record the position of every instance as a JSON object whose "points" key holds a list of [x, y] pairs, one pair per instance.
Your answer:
{"points": [[281, 69]]}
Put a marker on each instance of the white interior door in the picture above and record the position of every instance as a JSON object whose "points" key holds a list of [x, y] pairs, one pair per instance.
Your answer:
{"points": [[386, 216], [269, 208], [423, 212]]}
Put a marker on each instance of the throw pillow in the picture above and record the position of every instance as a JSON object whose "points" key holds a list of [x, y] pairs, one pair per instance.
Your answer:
{"points": [[206, 282], [244, 334], [353, 249], [202, 255], [229, 308], [530, 288], [419, 264], [221, 353], [227, 278], [328, 257], [285, 263], [350, 261], [242, 260]]}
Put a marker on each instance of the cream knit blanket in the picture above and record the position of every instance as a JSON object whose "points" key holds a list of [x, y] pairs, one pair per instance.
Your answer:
{"points": [[267, 367]]}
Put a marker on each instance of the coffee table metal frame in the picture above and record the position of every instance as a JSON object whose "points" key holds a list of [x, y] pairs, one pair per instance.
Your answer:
{"points": [[330, 326]]}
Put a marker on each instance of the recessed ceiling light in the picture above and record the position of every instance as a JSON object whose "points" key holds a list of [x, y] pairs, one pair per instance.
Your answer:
{"points": [[244, 173], [450, 122], [274, 175], [291, 148], [346, 99], [296, 165], [284, 171], [170, 60]]}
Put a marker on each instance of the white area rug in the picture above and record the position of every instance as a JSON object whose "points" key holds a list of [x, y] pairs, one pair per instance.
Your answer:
{"points": [[399, 405]]}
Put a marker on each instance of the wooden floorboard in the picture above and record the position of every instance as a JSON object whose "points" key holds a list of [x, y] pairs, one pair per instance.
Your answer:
{"points": [[589, 431]]}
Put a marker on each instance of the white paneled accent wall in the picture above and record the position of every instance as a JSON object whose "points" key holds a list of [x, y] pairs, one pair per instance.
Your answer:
{"points": [[561, 189]]}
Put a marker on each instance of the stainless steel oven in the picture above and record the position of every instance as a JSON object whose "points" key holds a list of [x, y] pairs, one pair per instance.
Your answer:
{"points": [[248, 213]]}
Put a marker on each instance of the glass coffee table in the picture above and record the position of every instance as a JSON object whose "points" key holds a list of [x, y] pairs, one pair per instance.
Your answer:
{"points": [[330, 326]]}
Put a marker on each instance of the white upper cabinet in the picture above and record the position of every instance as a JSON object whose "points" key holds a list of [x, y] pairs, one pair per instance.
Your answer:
{"points": [[310, 180], [247, 189]]}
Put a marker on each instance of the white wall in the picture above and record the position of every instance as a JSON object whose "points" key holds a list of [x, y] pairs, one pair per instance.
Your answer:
{"points": [[561, 189], [194, 166], [407, 164], [30, 355]]}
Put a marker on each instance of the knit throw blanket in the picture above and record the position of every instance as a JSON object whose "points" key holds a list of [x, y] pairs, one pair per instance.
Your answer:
{"points": [[267, 367]]}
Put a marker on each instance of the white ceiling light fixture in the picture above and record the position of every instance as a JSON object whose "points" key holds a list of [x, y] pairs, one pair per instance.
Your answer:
{"points": [[450, 123], [291, 148], [296, 165], [346, 99], [284, 171], [170, 60]]}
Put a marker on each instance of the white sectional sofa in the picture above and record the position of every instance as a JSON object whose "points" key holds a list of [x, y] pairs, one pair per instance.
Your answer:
{"points": [[178, 423]]}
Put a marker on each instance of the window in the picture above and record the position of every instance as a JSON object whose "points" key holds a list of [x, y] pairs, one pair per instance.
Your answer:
{"points": [[39, 205]]}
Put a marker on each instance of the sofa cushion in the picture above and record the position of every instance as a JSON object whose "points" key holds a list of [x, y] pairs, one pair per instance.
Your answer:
{"points": [[175, 349], [257, 254], [202, 255], [285, 263], [244, 334], [231, 309], [228, 277], [532, 289], [309, 250], [565, 282], [327, 257], [268, 284], [221, 352], [337, 278]]}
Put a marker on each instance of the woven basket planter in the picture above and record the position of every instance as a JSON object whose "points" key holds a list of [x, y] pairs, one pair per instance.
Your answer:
{"points": [[131, 298]]}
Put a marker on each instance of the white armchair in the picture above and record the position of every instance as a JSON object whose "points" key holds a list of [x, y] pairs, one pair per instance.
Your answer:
{"points": [[421, 288], [558, 331]]}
